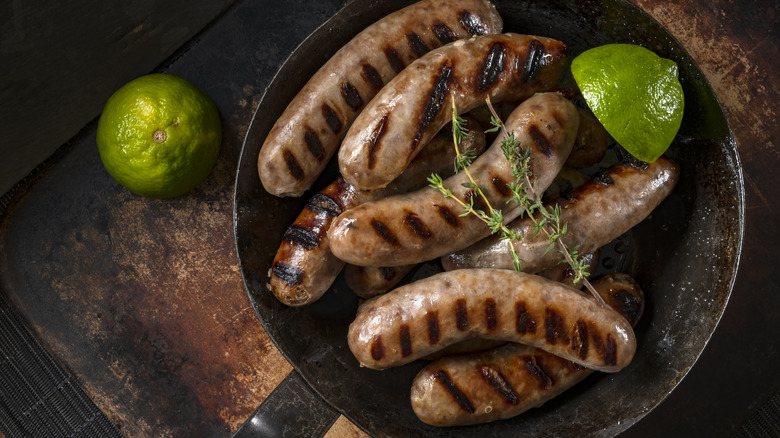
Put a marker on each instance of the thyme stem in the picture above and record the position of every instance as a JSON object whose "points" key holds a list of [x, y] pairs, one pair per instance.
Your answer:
{"points": [[549, 221]]}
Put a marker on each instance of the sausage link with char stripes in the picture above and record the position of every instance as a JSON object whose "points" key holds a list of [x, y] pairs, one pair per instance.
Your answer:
{"points": [[420, 318], [304, 267], [509, 380], [412, 107], [307, 134], [596, 213], [422, 225]]}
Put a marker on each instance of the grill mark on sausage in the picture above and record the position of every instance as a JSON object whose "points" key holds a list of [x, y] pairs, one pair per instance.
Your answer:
{"points": [[405, 340], [471, 23], [460, 398], [461, 315], [295, 169], [416, 44], [375, 140], [416, 225], [432, 321], [377, 349], [394, 59], [559, 118], [384, 232], [524, 322], [351, 96], [536, 370], [491, 317], [627, 304], [447, 214], [554, 329], [387, 272], [541, 140], [372, 76], [323, 203], [603, 179], [610, 353], [331, 118], [434, 103], [492, 67], [500, 185], [478, 202], [497, 380], [302, 237], [290, 275], [313, 143], [579, 339], [443, 32], [533, 63]]}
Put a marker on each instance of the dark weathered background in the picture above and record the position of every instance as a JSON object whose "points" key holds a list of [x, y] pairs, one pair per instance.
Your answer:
{"points": [[167, 344]]}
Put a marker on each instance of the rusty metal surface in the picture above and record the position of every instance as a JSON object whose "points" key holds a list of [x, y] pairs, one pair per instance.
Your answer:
{"points": [[143, 302], [141, 299]]}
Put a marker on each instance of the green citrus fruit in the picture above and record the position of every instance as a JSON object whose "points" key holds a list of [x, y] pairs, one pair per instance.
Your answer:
{"points": [[634, 93], [159, 136]]}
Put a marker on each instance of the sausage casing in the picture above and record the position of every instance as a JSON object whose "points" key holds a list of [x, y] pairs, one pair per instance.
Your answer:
{"points": [[422, 225], [412, 107], [307, 134], [420, 318], [596, 213], [304, 267], [508, 380]]}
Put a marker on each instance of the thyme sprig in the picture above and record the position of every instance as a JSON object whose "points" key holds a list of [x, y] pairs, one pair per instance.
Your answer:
{"points": [[547, 221]]}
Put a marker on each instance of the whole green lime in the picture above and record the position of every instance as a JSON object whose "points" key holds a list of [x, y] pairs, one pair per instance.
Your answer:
{"points": [[634, 93], [159, 135]]}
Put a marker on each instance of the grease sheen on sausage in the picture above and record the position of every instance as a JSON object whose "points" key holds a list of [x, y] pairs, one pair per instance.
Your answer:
{"points": [[412, 107], [422, 225], [304, 267], [307, 134], [596, 213], [509, 380], [420, 318]]}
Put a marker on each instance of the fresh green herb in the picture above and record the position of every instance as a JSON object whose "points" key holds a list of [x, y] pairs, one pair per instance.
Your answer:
{"points": [[546, 220]]}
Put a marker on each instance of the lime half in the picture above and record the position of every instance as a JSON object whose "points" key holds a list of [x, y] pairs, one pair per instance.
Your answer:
{"points": [[634, 93]]}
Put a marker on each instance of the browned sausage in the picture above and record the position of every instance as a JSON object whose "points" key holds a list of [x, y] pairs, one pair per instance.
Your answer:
{"points": [[310, 130], [418, 226], [591, 143], [304, 267], [370, 281], [412, 107], [596, 213], [509, 380], [420, 318]]}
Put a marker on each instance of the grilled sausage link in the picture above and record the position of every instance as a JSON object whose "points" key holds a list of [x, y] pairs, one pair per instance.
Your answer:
{"points": [[591, 143], [422, 225], [596, 213], [420, 318], [412, 107], [307, 134], [561, 274], [509, 380], [304, 267]]}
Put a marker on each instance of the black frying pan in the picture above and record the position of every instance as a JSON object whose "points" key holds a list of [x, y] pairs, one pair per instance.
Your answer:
{"points": [[685, 255]]}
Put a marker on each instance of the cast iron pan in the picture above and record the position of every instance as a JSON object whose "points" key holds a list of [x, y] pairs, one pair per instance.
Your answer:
{"points": [[685, 255]]}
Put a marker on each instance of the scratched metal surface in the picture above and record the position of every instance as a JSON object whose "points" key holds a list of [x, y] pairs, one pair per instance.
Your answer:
{"points": [[142, 300]]}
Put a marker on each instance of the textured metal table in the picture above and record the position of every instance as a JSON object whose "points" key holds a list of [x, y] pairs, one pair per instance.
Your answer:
{"points": [[141, 307]]}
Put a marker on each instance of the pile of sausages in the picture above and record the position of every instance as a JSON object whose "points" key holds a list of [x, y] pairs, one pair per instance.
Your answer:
{"points": [[384, 102]]}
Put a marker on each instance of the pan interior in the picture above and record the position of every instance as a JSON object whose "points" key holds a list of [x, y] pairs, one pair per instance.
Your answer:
{"points": [[684, 255]]}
